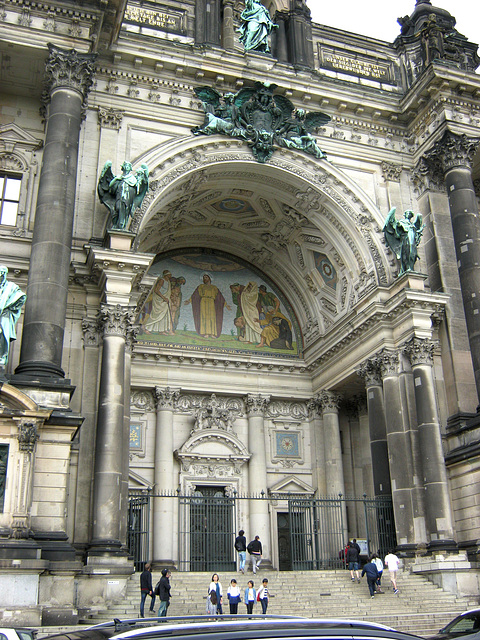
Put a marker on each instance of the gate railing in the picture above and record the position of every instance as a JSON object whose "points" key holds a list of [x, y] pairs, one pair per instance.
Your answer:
{"points": [[208, 524]]}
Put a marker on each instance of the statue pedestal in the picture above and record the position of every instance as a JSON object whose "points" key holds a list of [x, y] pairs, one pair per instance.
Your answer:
{"points": [[119, 240]]}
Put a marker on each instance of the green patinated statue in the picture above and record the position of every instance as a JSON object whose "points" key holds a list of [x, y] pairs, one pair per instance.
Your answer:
{"points": [[124, 193], [256, 28], [12, 300], [403, 237], [263, 119]]}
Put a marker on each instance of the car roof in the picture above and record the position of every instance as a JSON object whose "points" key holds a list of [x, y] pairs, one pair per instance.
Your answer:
{"points": [[236, 627]]}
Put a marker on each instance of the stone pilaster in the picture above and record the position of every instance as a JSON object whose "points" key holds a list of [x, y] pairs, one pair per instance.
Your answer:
{"points": [[27, 437], [256, 406], [228, 25], [453, 155], [163, 507], [328, 403], [109, 510], [370, 372], [318, 459], [69, 76], [437, 501], [398, 450]]}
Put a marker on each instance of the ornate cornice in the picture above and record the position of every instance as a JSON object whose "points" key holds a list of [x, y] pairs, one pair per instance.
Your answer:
{"points": [[68, 69], [166, 398], [420, 351]]}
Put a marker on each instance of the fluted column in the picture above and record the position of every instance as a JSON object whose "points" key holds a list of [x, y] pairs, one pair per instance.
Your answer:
{"points": [[453, 155], [256, 406], [370, 372], [163, 507], [69, 76], [398, 450], [109, 509], [437, 501]]}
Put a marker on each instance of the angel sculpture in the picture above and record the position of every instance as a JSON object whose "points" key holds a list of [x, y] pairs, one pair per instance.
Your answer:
{"points": [[296, 130], [221, 112], [124, 193], [403, 237]]}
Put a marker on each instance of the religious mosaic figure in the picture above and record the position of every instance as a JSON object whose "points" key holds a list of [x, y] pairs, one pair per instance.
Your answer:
{"points": [[208, 304], [124, 193], [12, 300], [159, 316], [403, 237], [256, 28]]}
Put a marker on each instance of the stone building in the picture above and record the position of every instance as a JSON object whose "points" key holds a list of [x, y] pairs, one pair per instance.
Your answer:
{"points": [[248, 349]]}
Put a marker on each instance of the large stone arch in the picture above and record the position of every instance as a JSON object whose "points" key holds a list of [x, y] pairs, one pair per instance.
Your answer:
{"points": [[303, 209]]}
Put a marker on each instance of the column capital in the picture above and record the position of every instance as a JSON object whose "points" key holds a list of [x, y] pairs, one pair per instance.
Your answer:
{"points": [[115, 320], [328, 401], [370, 371], [68, 69], [27, 436], [388, 363], [420, 351], [131, 336], [256, 404], [90, 328], [166, 398], [452, 150]]}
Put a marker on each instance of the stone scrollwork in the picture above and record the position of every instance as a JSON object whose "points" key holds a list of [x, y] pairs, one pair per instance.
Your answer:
{"points": [[256, 404], [116, 320], [90, 330], [166, 398], [420, 351]]}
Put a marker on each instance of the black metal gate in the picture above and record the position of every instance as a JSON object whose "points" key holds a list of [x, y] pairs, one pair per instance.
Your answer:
{"points": [[316, 533], [138, 532], [380, 525], [207, 530]]}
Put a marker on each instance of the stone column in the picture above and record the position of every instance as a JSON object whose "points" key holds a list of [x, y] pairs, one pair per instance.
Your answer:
{"points": [[228, 27], [437, 501], [109, 509], [256, 406], [279, 37], [69, 76], [329, 403], [370, 372], [318, 457], [453, 155], [398, 451], [164, 507]]}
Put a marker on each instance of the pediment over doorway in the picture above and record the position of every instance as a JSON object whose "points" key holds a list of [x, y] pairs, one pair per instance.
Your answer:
{"points": [[213, 448], [292, 485]]}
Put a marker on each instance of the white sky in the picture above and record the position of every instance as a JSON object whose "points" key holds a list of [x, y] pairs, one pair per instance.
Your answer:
{"points": [[378, 18]]}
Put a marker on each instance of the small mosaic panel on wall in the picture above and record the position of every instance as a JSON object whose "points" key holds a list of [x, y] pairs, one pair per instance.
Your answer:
{"points": [[212, 301]]}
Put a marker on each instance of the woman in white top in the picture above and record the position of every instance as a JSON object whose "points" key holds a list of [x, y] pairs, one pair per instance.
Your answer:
{"points": [[217, 588], [233, 594]]}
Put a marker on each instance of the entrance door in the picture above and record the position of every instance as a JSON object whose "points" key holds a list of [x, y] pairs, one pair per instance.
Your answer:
{"points": [[212, 530], [284, 542]]}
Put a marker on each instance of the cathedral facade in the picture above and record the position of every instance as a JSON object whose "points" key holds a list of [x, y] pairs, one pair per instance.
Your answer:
{"points": [[225, 328]]}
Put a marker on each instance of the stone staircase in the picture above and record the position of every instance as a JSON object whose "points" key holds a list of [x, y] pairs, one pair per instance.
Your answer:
{"points": [[420, 608]]}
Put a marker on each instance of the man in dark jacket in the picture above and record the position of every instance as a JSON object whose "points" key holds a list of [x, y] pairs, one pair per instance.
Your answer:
{"points": [[255, 550], [164, 593], [371, 571], [146, 589], [352, 559], [241, 547]]}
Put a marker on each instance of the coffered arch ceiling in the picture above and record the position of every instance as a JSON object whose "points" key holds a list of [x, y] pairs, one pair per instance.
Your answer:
{"points": [[305, 224]]}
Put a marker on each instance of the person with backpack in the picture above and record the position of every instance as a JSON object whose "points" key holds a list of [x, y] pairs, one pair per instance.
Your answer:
{"points": [[163, 590], [241, 547], [255, 550], [353, 560]]}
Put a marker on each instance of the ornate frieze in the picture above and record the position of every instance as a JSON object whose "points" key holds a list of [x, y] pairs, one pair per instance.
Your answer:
{"points": [[142, 400], [420, 351], [68, 69], [166, 398]]}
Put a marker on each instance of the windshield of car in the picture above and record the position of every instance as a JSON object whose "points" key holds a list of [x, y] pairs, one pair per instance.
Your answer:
{"points": [[465, 624]]}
